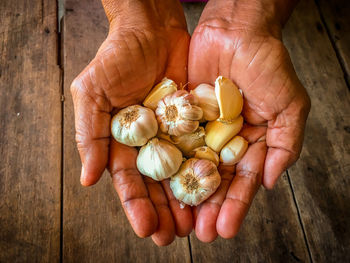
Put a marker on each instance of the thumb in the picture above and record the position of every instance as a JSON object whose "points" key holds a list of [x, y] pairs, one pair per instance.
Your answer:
{"points": [[92, 122]]}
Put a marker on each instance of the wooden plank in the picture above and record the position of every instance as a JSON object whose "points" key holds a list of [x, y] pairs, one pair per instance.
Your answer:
{"points": [[30, 136], [271, 231], [320, 178], [335, 14], [95, 228]]}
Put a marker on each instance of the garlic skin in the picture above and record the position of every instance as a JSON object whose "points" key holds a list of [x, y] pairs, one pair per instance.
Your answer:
{"points": [[233, 151], [206, 153], [158, 159], [187, 142], [177, 113], [195, 182], [206, 97], [162, 89], [134, 125]]}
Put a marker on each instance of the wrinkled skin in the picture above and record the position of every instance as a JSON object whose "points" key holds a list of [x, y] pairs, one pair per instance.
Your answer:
{"points": [[276, 105], [136, 55], [152, 43]]}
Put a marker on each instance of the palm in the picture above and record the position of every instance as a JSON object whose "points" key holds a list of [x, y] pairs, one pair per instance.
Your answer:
{"points": [[261, 67], [126, 67]]}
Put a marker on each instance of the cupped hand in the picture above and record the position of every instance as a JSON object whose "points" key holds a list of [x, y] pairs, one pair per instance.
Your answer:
{"points": [[248, 51], [146, 42]]}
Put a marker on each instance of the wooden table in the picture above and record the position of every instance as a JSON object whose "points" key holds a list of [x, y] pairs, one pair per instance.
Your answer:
{"points": [[47, 216]]}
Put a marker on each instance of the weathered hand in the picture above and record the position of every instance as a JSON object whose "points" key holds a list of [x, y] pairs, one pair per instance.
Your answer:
{"points": [[244, 45], [147, 41]]}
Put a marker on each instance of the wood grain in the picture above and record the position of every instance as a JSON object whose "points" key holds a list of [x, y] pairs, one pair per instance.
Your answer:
{"points": [[335, 14], [320, 178], [271, 232], [95, 228], [30, 136]]}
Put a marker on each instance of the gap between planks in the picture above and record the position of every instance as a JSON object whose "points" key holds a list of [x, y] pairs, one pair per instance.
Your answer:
{"points": [[299, 217]]}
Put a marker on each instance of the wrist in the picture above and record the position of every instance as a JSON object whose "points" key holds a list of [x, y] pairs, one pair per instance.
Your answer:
{"points": [[258, 16], [144, 13]]}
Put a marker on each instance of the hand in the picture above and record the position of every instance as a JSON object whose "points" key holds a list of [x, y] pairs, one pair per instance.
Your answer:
{"points": [[241, 40], [147, 41]]}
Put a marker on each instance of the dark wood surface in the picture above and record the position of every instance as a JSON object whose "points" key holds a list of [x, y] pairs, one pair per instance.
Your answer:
{"points": [[30, 136], [46, 219], [320, 179]]}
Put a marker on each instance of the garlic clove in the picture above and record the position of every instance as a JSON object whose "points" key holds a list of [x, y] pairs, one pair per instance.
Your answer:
{"points": [[178, 114], [204, 152], [218, 133], [134, 125], [191, 112], [195, 182], [233, 151], [158, 159], [206, 97], [187, 142], [229, 98], [162, 89]]}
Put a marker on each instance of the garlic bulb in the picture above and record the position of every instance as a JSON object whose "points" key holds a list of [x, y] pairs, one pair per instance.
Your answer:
{"points": [[195, 181], [206, 97], [233, 151], [158, 159], [205, 152], [134, 125], [187, 142], [178, 114], [162, 89]]}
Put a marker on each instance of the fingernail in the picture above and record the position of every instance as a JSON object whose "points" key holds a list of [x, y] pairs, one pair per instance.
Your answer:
{"points": [[82, 176]]}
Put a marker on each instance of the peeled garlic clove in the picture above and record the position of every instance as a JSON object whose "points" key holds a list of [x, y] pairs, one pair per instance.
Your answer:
{"points": [[229, 98], [134, 125], [206, 153], [218, 133], [195, 182], [178, 114], [206, 97], [233, 151], [164, 88], [158, 159], [187, 142]]}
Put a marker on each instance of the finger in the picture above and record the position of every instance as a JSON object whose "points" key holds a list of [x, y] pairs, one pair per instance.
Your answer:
{"points": [[277, 161], [92, 122], [182, 216], [165, 232], [284, 138], [242, 191], [132, 190], [209, 211]]}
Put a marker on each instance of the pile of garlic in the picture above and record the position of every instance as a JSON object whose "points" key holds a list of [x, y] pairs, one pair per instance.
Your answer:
{"points": [[170, 128]]}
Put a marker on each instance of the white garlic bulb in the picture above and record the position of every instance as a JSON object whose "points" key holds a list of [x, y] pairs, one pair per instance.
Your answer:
{"points": [[187, 142], [134, 125], [195, 182], [159, 159], [206, 97], [178, 114]]}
